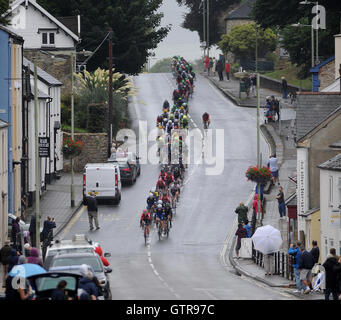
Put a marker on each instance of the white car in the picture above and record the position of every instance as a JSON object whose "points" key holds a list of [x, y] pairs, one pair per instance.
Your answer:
{"points": [[104, 179]]}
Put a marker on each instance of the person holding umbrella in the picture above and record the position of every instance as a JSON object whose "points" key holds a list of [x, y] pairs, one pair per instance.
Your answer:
{"points": [[269, 263]]}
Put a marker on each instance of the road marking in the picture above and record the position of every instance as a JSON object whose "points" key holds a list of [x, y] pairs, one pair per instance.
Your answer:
{"points": [[73, 221]]}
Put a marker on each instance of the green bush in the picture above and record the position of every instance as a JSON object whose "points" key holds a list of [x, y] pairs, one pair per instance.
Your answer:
{"points": [[97, 117], [234, 68]]}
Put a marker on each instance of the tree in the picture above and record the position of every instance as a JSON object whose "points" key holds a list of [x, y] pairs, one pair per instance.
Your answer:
{"points": [[163, 65], [135, 24], [4, 6], [241, 41], [297, 41], [194, 18]]}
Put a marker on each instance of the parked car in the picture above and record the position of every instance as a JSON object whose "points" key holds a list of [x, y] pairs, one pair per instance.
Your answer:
{"points": [[44, 284], [72, 261], [129, 165], [104, 179], [23, 225], [79, 243]]}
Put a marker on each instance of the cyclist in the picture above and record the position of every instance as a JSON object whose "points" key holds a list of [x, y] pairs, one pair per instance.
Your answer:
{"points": [[150, 201], [184, 122], [160, 185], [169, 213], [206, 120], [174, 193], [166, 105], [169, 178], [145, 220], [160, 216], [163, 175], [169, 127], [177, 173], [165, 198]]}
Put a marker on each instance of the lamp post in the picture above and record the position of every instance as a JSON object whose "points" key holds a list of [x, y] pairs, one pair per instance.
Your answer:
{"points": [[72, 131], [208, 28]]}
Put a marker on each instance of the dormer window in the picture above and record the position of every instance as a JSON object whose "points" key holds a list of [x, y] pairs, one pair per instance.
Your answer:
{"points": [[48, 37]]}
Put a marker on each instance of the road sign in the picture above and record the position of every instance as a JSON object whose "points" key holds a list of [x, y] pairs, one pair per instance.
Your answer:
{"points": [[44, 147]]}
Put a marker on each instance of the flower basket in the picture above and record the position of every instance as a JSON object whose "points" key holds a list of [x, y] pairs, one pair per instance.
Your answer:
{"points": [[71, 148], [259, 175]]}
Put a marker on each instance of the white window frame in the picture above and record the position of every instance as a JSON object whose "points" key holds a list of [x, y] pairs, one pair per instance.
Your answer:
{"points": [[48, 35], [330, 191]]}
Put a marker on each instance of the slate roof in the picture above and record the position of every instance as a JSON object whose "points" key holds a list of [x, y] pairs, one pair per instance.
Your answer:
{"points": [[312, 109], [332, 164], [42, 75], [336, 144], [242, 12]]}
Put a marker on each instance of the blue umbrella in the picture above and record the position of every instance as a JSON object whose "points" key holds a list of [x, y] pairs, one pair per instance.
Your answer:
{"points": [[26, 270]]}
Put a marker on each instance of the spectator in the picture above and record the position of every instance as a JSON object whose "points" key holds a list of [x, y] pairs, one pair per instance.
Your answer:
{"points": [[87, 284], [227, 70], [247, 82], [281, 203], [32, 230], [284, 88], [5, 253], [253, 79], [331, 275], [207, 64], [240, 233], [242, 211], [247, 227], [60, 292], [214, 66], [269, 263], [255, 206], [295, 254], [315, 251], [337, 270], [273, 166], [15, 231], [306, 263], [220, 69], [91, 202], [49, 225], [34, 257], [27, 249], [13, 259], [275, 106]]}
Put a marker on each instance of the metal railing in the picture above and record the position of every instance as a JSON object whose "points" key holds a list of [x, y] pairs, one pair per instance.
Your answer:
{"points": [[282, 266]]}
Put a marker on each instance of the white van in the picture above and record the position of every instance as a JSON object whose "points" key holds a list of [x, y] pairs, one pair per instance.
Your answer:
{"points": [[104, 179]]}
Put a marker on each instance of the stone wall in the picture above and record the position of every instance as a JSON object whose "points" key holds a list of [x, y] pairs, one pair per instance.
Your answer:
{"points": [[327, 75], [275, 85], [56, 63], [94, 150]]}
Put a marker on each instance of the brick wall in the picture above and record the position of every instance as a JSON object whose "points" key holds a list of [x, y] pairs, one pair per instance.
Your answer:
{"points": [[327, 75], [94, 150]]}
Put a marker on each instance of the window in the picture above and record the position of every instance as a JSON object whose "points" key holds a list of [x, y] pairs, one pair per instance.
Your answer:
{"points": [[48, 38], [331, 241]]}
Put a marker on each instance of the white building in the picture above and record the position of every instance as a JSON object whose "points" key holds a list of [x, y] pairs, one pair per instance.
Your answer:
{"points": [[330, 200], [3, 182], [49, 119], [39, 28]]}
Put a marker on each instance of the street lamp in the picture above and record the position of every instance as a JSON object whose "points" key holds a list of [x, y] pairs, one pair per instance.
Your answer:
{"points": [[316, 27]]}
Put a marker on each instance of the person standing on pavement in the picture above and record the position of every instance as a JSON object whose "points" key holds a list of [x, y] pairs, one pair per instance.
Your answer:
{"points": [[32, 230], [281, 203], [227, 70], [315, 251], [91, 203], [331, 276], [207, 65], [5, 252], [15, 230], [306, 263], [13, 259], [269, 263], [284, 88], [49, 225], [214, 66], [273, 166], [242, 211], [295, 254], [220, 69], [34, 257], [275, 106], [210, 66], [255, 206], [240, 233]]}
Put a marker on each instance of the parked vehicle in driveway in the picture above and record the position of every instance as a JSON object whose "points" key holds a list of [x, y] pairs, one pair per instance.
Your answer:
{"points": [[129, 164], [104, 179], [72, 262], [22, 224]]}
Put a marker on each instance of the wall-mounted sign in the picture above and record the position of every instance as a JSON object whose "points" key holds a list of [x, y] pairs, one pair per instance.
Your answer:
{"points": [[44, 147]]}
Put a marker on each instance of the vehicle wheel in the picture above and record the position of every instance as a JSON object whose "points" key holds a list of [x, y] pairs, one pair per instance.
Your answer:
{"points": [[167, 233], [135, 176], [159, 232], [108, 295], [139, 172]]}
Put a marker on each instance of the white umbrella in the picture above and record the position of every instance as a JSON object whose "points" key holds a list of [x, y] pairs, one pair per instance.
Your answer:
{"points": [[267, 239]]}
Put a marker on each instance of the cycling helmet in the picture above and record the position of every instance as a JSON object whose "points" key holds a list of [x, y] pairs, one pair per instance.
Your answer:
{"points": [[151, 194], [159, 206], [171, 116], [169, 121], [159, 202], [145, 211]]}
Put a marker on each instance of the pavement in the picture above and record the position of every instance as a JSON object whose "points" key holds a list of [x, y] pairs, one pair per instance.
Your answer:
{"points": [[280, 139], [56, 202], [230, 88]]}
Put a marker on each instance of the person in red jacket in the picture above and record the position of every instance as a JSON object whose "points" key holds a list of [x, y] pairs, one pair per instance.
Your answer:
{"points": [[99, 251], [207, 64], [255, 205], [227, 70]]}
